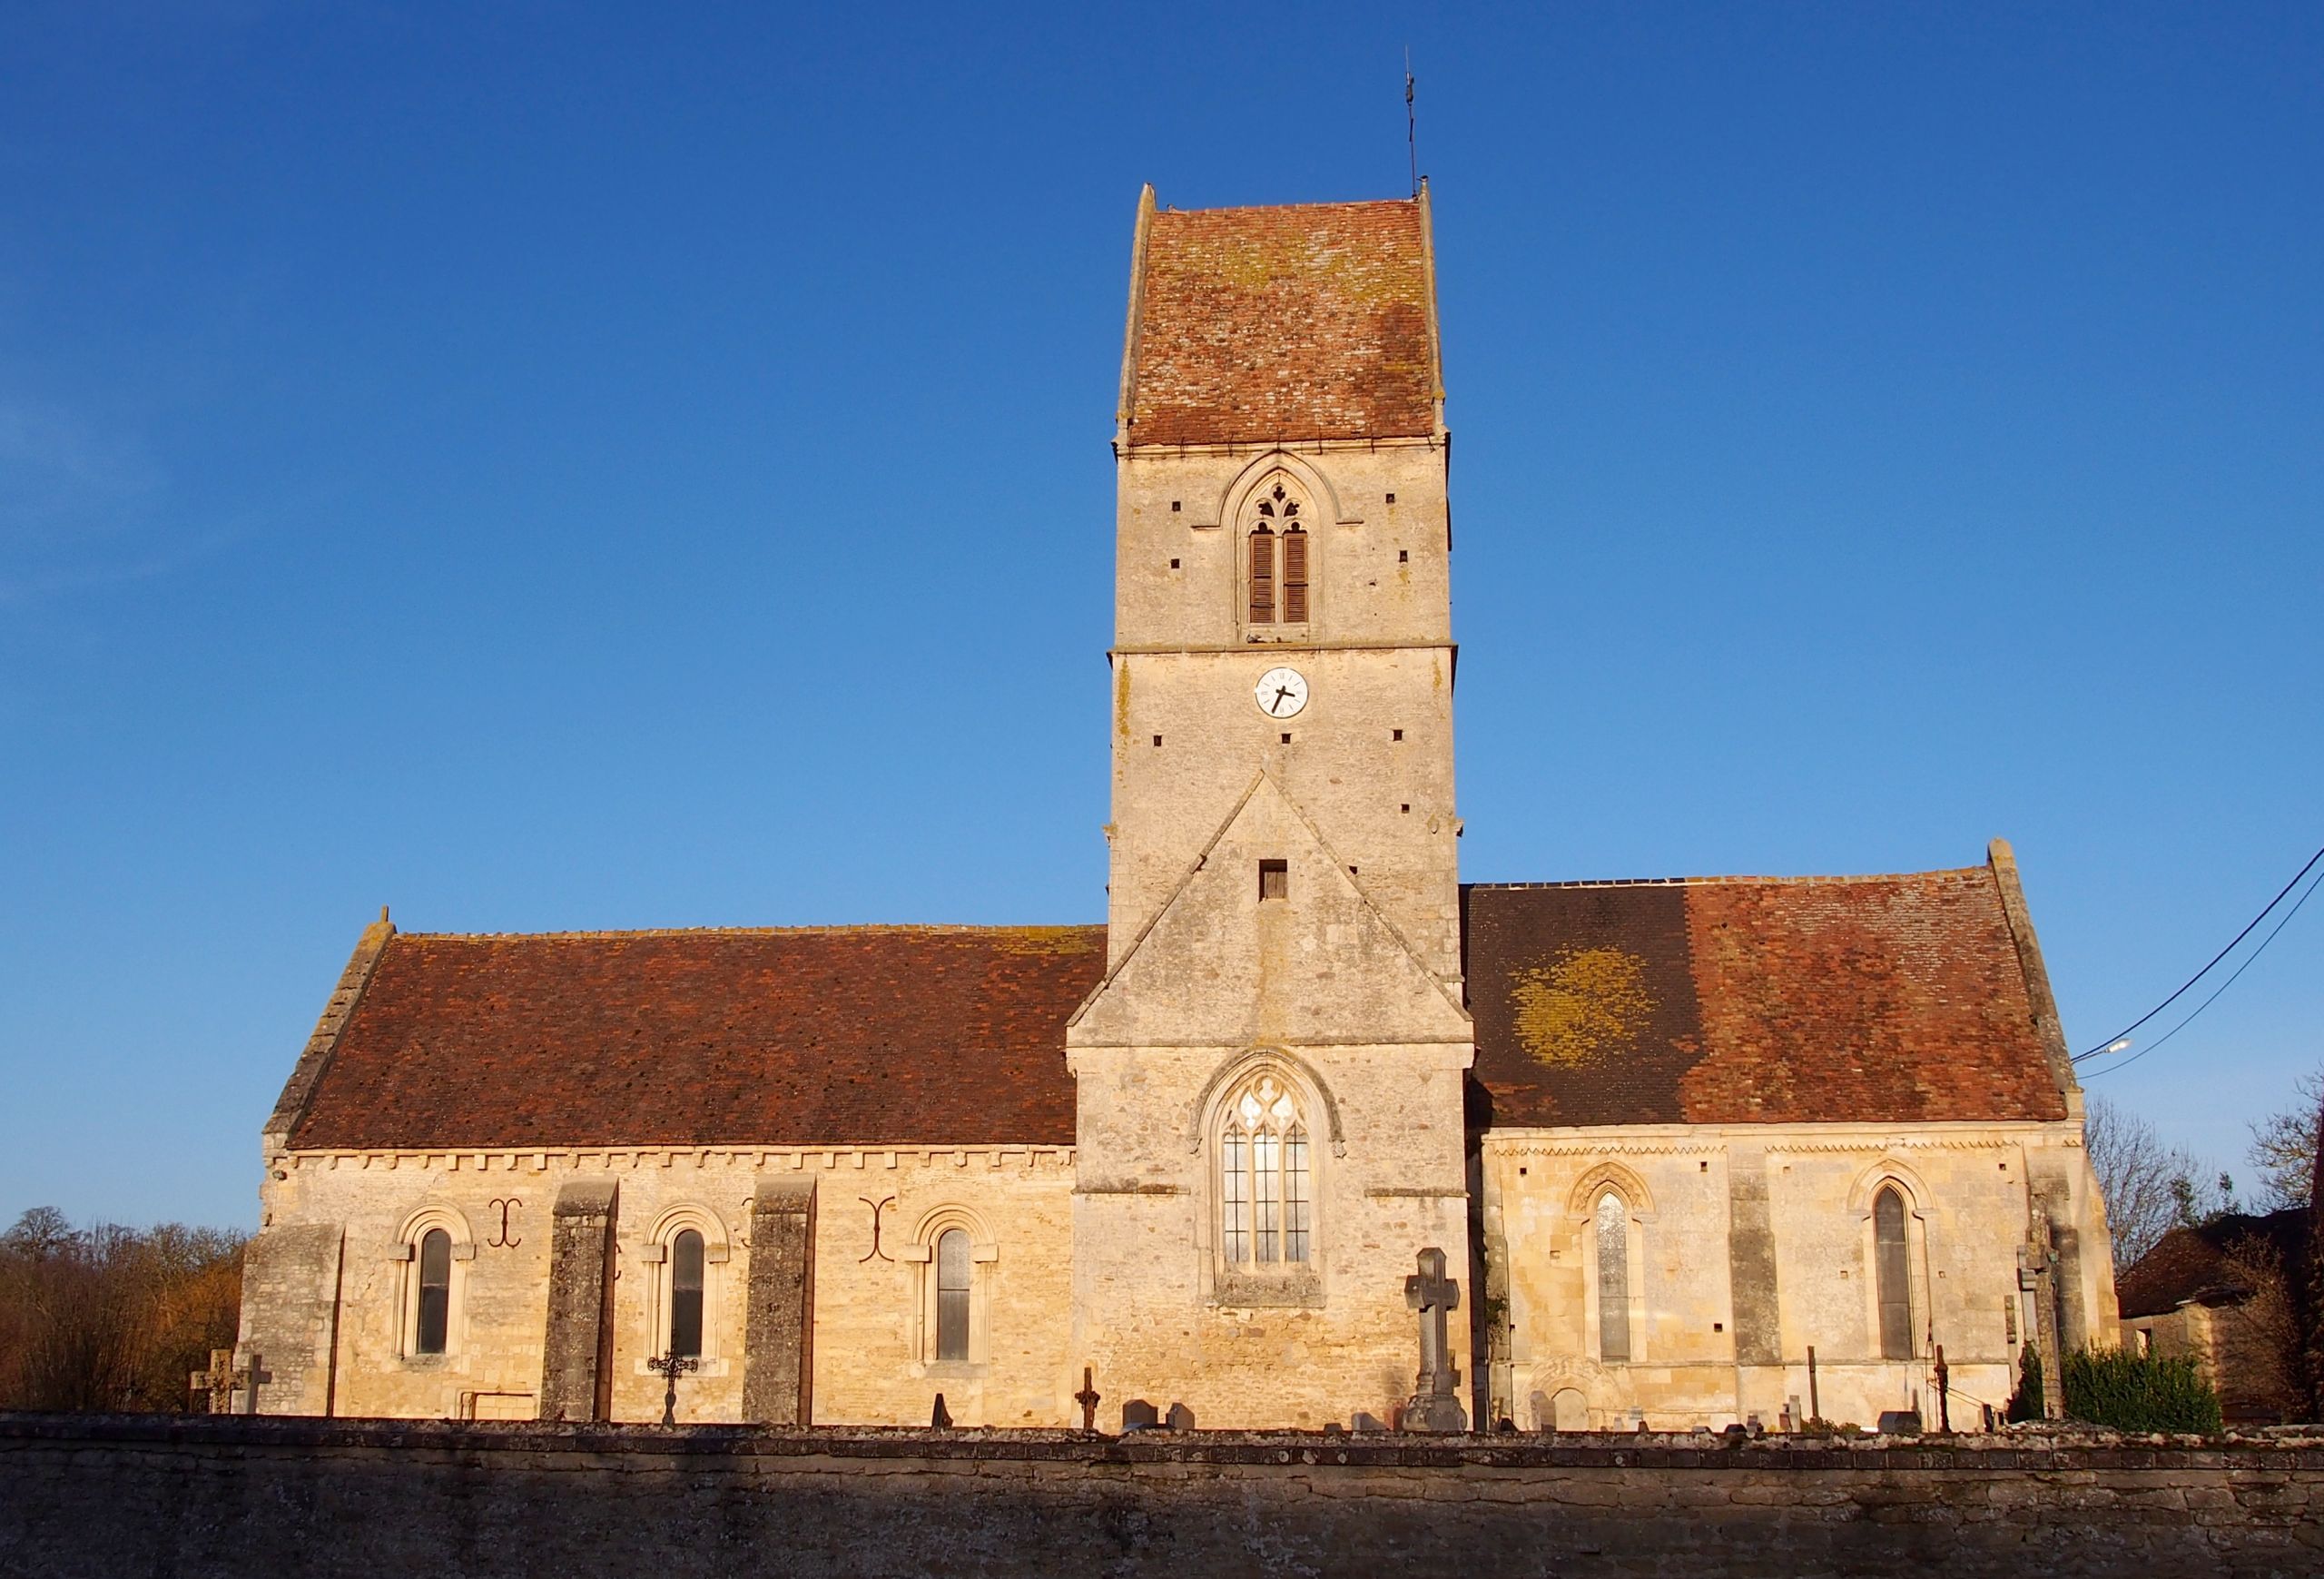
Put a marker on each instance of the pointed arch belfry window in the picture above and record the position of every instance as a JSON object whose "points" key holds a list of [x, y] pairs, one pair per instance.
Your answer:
{"points": [[1265, 1193], [1277, 571]]}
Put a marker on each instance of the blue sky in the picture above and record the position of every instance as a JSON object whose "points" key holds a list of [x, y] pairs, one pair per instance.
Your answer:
{"points": [[570, 467]]}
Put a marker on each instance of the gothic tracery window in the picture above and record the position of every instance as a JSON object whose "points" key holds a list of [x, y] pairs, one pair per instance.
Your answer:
{"points": [[1265, 1196], [1278, 560]]}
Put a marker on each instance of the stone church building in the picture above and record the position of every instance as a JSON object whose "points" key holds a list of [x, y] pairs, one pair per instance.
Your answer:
{"points": [[1693, 1150]]}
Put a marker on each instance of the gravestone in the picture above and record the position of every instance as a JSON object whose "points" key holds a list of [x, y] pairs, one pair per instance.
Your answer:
{"points": [[1435, 1405], [1137, 1414], [1179, 1419]]}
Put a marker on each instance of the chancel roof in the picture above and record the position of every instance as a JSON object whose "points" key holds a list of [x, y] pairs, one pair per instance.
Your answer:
{"points": [[839, 1035], [1267, 325], [1743, 1000]]}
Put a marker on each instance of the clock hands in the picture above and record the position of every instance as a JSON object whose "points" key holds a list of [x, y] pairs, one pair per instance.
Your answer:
{"points": [[1282, 695]]}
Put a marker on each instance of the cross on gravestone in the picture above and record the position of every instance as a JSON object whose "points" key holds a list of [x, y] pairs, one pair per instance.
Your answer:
{"points": [[1433, 1405], [216, 1387]]}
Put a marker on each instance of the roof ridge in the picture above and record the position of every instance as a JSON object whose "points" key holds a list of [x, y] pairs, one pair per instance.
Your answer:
{"points": [[935, 928], [1809, 880], [1412, 201]]}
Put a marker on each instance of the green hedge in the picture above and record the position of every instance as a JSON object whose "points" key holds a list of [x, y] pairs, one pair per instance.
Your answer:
{"points": [[2131, 1392], [2025, 1404]]}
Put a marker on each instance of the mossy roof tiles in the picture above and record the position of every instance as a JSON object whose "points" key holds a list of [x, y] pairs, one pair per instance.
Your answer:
{"points": [[1264, 325], [1742, 1000]]}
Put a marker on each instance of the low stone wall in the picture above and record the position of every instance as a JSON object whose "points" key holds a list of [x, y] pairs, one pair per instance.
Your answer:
{"points": [[194, 1498]]}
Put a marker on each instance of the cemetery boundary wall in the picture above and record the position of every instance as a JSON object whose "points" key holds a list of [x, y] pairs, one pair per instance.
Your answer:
{"points": [[206, 1498]]}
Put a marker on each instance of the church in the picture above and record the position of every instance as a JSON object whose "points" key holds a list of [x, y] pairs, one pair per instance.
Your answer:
{"points": [[1661, 1153]]}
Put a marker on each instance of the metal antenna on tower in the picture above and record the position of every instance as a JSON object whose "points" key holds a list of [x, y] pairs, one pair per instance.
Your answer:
{"points": [[1412, 123]]}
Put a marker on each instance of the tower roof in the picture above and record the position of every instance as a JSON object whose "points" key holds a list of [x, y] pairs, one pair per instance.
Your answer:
{"points": [[1262, 325]]}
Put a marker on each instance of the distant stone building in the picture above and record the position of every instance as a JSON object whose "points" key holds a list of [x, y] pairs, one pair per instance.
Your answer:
{"points": [[1676, 1138], [2228, 1294]]}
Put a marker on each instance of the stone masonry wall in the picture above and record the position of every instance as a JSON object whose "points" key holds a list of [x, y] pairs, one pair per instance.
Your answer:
{"points": [[194, 1498]]}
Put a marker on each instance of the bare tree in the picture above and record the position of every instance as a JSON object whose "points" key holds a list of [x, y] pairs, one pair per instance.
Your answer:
{"points": [[2149, 1188], [2284, 1147]]}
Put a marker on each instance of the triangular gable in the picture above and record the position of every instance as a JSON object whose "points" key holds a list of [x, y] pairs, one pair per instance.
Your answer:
{"points": [[1218, 966]]}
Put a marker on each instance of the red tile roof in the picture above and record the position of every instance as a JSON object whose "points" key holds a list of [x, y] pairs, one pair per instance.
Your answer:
{"points": [[1732, 1001], [862, 1035], [2213, 1262], [1260, 325]]}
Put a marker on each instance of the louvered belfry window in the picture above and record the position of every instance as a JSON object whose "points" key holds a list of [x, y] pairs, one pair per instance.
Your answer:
{"points": [[1263, 574], [1278, 568], [1295, 573]]}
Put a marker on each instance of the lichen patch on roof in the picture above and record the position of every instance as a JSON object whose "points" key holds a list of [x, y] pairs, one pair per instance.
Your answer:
{"points": [[1868, 999], [1260, 325]]}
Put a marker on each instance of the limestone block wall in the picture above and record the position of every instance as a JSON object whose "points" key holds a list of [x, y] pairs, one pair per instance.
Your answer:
{"points": [[1376, 650], [1749, 1247], [873, 1346], [1153, 1313]]}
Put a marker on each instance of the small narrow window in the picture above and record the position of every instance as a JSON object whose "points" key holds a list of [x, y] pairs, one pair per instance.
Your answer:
{"points": [[952, 1295], [1294, 576], [1287, 739], [1613, 1278], [1403, 557], [1396, 734], [1392, 499], [1174, 506], [1891, 1269], [685, 1295], [1174, 564], [1275, 880], [1157, 740], [435, 1291], [1263, 576]]}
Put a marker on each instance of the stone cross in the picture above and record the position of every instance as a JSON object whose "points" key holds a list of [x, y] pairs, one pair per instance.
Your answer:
{"points": [[1433, 1405], [217, 1383], [224, 1378], [1088, 1398]]}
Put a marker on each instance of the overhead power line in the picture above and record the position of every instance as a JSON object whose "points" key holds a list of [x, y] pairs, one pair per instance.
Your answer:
{"points": [[2222, 987], [2108, 1044]]}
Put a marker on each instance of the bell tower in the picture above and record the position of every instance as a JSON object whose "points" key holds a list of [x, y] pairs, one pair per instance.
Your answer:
{"points": [[1270, 1076]]}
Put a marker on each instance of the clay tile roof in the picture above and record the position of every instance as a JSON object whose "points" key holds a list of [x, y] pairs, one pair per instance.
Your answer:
{"points": [[1258, 325], [844, 1035], [2213, 1263], [1737, 1000]]}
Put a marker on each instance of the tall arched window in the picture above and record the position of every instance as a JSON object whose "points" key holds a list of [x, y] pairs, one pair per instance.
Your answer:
{"points": [[434, 1321], [1891, 1272], [952, 1295], [1613, 1229], [1266, 1213], [1278, 585], [685, 1294]]}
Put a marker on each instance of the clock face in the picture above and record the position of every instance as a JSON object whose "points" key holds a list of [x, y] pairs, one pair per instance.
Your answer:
{"points": [[1281, 693]]}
